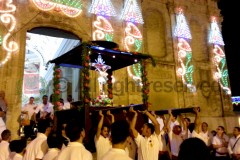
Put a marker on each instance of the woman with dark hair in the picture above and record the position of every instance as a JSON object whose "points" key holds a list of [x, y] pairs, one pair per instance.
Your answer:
{"points": [[193, 149]]}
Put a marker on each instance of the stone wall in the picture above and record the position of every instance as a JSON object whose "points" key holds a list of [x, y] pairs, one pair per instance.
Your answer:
{"points": [[159, 17]]}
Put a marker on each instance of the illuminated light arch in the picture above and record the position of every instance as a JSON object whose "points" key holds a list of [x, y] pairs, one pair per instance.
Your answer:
{"points": [[44, 5], [9, 20], [102, 7], [133, 37], [221, 74], [137, 74], [215, 36], [182, 30], [219, 59], [103, 30], [68, 8], [132, 12], [186, 68]]}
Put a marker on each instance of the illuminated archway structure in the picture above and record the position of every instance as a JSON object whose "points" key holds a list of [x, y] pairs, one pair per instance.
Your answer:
{"points": [[133, 38], [186, 68], [8, 19], [70, 8], [102, 27], [219, 59]]}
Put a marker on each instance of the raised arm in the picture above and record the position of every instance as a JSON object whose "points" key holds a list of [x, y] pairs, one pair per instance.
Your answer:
{"points": [[197, 122], [169, 120], [125, 115], [100, 124], [183, 122], [184, 126], [111, 115], [152, 117], [133, 122]]}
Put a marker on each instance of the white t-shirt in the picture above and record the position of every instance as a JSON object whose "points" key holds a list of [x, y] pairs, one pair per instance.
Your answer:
{"points": [[75, 151], [205, 137], [236, 149], [2, 126], [36, 148], [196, 135], [67, 105], [175, 142], [172, 124], [131, 148], [30, 109], [163, 146], [148, 148], [4, 150], [116, 154], [17, 157], [102, 146], [218, 141], [48, 108], [51, 154]]}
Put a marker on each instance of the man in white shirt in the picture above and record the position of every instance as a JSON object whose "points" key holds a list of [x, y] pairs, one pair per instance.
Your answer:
{"points": [[55, 145], [28, 112], [120, 134], [102, 142], [149, 142], [4, 145], [176, 135], [205, 134], [173, 121], [2, 123], [37, 148], [75, 149], [234, 144], [220, 143], [45, 109], [67, 104], [200, 129], [17, 148]]}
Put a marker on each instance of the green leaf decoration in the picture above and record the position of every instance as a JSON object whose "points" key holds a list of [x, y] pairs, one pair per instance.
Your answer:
{"points": [[109, 37], [138, 44]]}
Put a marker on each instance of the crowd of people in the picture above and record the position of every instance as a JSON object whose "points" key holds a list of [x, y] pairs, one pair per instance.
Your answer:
{"points": [[171, 137]]}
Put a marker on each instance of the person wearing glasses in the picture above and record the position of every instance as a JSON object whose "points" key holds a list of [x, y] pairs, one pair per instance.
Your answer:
{"points": [[220, 144]]}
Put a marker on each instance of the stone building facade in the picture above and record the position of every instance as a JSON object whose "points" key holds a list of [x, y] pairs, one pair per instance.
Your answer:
{"points": [[158, 40]]}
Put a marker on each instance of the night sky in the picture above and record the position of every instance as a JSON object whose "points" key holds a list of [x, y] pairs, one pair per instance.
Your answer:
{"points": [[231, 35]]}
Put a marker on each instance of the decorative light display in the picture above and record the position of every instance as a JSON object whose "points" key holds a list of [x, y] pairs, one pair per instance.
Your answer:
{"points": [[102, 7], [132, 12], [219, 59], [186, 68], [221, 74], [137, 73], [8, 19], [71, 8], [215, 36], [133, 36], [236, 100], [182, 29], [103, 30], [1, 40]]}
